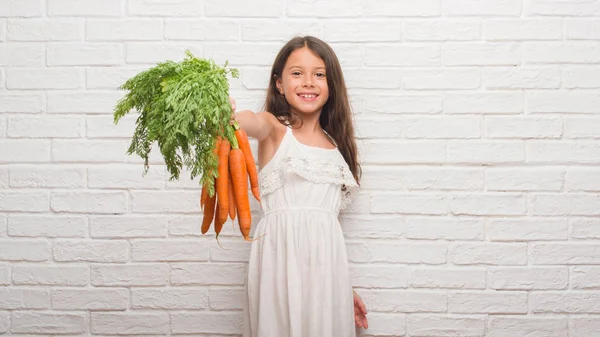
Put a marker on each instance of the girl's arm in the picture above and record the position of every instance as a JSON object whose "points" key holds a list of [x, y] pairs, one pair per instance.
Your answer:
{"points": [[258, 125]]}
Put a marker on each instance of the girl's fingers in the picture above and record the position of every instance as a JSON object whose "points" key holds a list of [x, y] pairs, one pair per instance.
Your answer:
{"points": [[232, 101]]}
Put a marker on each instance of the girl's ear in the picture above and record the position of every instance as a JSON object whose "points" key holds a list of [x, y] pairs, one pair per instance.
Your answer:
{"points": [[279, 85]]}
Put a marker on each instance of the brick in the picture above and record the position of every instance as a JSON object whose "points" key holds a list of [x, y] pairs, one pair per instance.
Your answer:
{"points": [[49, 323], [379, 276], [83, 102], [523, 127], [578, 29], [324, 9], [153, 52], [3, 29], [4, 179], [555, 8], [274, 30], [484, 103], [17, 298], [43, 78], [21, 8], [444, 229], [45, 127], [505, 302], [585, 229], [5, 278], [233, 8], [404, 152], [42, 30], [125, 177], [24, 250], [582, 179], [184, 225], [406, 253], [525, 229], [24, 201], [409, 204], [527, 278], [455, 278], [172, 298], [127, 226], [85, 8], [580, 78], [212, 322], [46, 226], [581, 127], [565, 204], [350, 55], [90, 299], [46, 176], [442, 30], [229, 250], [486, 152], [204, 30], [563, 152], [481, 54], [91, 251], [372, 226], [435, 325], [138, 323], [390, 128], [29, 274], [139, 274], [407, 301], [104, 127], [407, 8], [585, 277], [442, 128], [574, 101], [225, 274], [482, 8], [580, 52], [3, 127], [405, 103], [22, 102], [522, 30], [24, 150], [522, 78], [168, 251], [458, 79], [97, 151], [22, 55], [164, 202], [226, 298], [564, 253], [85, 54], [586, 326], [373, 78], [524, 179], [4, 321], [124, 30], [413, 55], [239, 54], [488, 253], [109, 78], [573, 302], [363, 31], [90, 202], [507, 326]]}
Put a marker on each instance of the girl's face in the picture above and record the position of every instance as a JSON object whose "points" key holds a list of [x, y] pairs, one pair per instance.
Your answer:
{"points": [[303, 82]]}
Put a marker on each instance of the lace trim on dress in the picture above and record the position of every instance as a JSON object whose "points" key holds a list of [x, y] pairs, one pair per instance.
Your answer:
{"points": [[326, 172]]}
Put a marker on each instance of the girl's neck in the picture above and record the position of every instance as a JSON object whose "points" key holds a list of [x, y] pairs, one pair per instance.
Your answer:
{"points": [[310, 125]]}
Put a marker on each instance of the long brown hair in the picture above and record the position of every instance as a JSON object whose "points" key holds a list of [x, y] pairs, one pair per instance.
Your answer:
{"points": [[336, 116]]}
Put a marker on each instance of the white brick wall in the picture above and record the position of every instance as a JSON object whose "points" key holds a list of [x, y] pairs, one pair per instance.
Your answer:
{"points": [[478, 125]]}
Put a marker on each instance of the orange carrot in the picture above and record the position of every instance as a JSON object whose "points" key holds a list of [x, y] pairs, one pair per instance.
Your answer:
{"points": [[239, 177], [209, 213], [244, 144], [232, 210], [222, 180], [203, 196]]}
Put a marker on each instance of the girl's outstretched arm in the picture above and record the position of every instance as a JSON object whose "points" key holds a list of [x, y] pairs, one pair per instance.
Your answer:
{"points": [[257, 125]]}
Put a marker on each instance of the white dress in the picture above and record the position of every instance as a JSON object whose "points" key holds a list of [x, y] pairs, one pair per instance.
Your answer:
{"points": [[298, 282]]}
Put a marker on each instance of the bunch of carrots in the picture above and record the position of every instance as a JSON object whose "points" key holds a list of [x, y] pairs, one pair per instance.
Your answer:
{"points": [[235, 167]]}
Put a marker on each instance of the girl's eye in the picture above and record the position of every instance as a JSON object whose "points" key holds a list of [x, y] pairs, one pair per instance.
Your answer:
{"points": [[320, 75], [296, 73]]}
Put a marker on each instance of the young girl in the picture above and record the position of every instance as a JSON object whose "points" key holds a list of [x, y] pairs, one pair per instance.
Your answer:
{"points": [[298, 282]]}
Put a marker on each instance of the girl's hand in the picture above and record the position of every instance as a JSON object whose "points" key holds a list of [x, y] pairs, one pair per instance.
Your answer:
{"points": [[360, 312], [232, 101]]}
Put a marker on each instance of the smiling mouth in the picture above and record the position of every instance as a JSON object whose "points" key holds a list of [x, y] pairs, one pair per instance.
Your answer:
{"points": [[308, 97]]}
